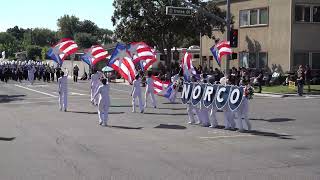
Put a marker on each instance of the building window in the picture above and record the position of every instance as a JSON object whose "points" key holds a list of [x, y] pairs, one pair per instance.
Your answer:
{"points": [[243, 59], [253, 60], [263, 16], [254, 17], [300, 59], [316, 13], [244, 18], [263, 60], [315, 61], [307, 13]]}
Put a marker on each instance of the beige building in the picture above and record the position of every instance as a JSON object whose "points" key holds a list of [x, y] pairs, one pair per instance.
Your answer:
{"points": [[273, 34]]}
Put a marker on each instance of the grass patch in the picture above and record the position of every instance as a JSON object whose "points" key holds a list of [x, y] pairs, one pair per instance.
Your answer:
{"points": [[315, 89]]}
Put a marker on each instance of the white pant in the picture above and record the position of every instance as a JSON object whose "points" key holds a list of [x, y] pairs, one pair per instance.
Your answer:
{"points": [[103, 110], [153, 99], [204, 116], [229, 118], [93, 91], [63, 100], [243, 115], [31, 78], [213, 117], [134, 97], [191, 111]]}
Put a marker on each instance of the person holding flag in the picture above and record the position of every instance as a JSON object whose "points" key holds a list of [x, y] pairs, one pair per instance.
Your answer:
{"points": [[63, 91], [136, 93], [150, 91], [104, 102], [95, 83]]}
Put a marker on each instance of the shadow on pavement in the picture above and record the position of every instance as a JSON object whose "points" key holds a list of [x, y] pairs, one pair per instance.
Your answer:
{"points": [[175, 114], [271, 134], [168, 126], [9, 98], [126, 127], [175, 109], [7, 139], [83, 112], [172, 103], [121, 106], [274, 119]]}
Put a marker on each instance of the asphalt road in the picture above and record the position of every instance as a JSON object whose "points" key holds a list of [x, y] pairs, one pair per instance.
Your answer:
{"points": [[37, 141]]}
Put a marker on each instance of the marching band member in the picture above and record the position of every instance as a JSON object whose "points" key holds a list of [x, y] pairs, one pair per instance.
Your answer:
{"points": [[136, 93], [203, 111], [63, 91], [229, 123], [103, 103], [150, 91], [243, 110], [31, 71], [95, 83]]}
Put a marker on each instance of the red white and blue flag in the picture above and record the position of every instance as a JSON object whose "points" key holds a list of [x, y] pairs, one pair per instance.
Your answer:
{"points": [[143, 54], [121, 62], [221, 49], [61, 50], [187, 67], [94, 55], [160, 87], [146, 64]]}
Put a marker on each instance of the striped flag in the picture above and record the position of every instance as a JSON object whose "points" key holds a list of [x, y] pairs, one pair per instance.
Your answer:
{"points": [[160, 86], [94, 55], [61, 50], [146, 64], [221, 49], [121, 62], [140, 51], [187, 66]]}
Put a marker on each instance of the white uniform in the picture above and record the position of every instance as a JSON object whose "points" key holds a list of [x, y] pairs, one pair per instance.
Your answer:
{"points": [[191, 112], [95, 83], [150, 91], [243, 112], [63, 92], [103, 104], [31, 72], [213, 117], [229, 116], [136, 93]]}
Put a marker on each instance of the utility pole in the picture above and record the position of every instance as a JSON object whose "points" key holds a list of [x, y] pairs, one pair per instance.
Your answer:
{"points": [[228, 22]]}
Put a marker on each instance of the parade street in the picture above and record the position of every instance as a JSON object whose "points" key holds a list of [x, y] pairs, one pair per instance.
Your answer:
{"points": [[37, 141]]}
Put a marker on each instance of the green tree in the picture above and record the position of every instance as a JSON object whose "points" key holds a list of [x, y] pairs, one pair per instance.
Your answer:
{"points": [[85, 40], [44, 51], [16, 32], [68, 26], [146, 20], [8, 43], [33, 52], [43, 37]]}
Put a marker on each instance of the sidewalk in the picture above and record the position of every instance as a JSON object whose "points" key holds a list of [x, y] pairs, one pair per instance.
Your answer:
{"points": [[280, 95]]}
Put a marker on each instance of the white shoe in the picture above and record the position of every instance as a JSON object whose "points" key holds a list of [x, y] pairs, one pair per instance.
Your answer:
{"points": [[213, 126], [191, 122]]}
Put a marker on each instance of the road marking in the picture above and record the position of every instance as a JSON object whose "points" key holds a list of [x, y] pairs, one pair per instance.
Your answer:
{"points": [[222, 137], [74, 93], [40, 92]]}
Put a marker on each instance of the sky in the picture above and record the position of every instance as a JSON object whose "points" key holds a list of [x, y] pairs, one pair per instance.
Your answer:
{"points": [[44, 13]]}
